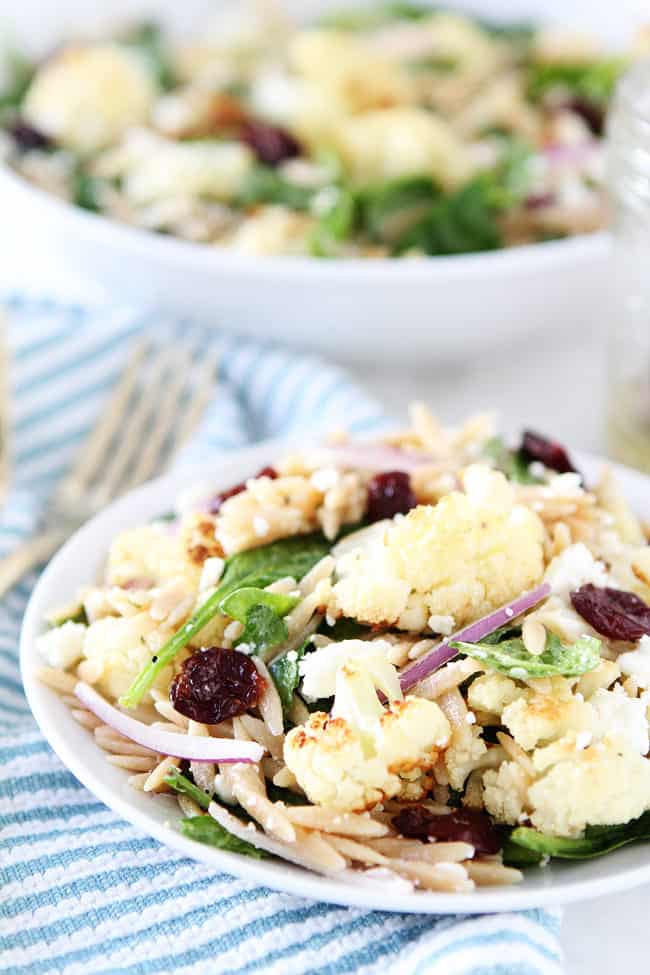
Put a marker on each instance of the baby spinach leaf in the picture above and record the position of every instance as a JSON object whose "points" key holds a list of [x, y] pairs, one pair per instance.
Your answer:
{"points": [[458, 223], [285, 672], [511, 462], [343, 629], [596, 841], [86, 191], [180, 783], [511, 657], [334, 225], [257, 567], [239, 603], [594, 81], [390, 210], [148, 39], [263, 184], [263, 629], [78, 615], [205, 829], [277, 794], [18, 72]]}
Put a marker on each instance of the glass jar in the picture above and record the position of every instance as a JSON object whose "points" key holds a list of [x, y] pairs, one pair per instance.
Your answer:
{"points": [[628, 174]]}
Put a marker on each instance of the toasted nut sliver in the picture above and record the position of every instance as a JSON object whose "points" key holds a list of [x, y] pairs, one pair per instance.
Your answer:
{"points": [[533, 633]]}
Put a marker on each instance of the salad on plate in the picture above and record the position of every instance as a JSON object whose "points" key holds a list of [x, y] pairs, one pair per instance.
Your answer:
{"points": [[423, 661], [399, 130]]}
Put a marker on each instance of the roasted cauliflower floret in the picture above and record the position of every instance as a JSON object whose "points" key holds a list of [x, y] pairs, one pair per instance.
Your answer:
{"points": [[492, 693], [599, 786], [147, 555], [467, 751], [364, 753], [349, 71], [539, 718], [118, 649], [393, 142], [86, 97], [464, 556], [505, 792]]}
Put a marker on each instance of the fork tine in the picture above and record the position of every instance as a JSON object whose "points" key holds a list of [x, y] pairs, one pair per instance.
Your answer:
{"points": [[132, 436], [199, 397], [93, 449], [164, 421]]}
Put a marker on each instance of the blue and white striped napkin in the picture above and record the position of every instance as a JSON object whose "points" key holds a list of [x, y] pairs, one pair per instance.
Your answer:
{"points": [[83, 892]]}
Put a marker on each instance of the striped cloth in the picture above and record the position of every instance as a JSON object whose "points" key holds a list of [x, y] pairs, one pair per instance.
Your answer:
{"points": [[81, 890]]}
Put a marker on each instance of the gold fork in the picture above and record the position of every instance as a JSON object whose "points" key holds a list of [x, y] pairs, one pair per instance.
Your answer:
{"points": [[153, 409]]}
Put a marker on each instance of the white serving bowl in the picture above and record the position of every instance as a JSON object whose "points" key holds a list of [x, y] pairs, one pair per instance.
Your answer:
{"points": [[81, 559], [410, 311]]}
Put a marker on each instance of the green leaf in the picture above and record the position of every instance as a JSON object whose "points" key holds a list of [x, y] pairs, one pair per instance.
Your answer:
{"points": [[510, 462], [508, 182], [596, 841], [149, 40], [343, 629], [434, 64], [78, 616], [518, 33], [19, 72], [257, 567], [458, 223], [263, 630], [239, 603], [86, 191], [511, 657], [263, 184], [594, 81], [277, 794], [369, 18], [285, 672], [390, 210], [180, 783], [207, 830], [334, 225]]}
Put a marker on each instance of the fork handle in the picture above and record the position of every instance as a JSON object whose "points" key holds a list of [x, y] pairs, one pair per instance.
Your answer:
{"points": [[38, 549]]}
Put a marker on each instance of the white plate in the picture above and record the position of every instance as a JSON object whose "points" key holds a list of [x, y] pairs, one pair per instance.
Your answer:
{"points": [[410, 311], [80, 560]]}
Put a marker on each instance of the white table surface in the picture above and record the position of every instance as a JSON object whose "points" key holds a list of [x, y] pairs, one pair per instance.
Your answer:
{"points": [[555, 387]]}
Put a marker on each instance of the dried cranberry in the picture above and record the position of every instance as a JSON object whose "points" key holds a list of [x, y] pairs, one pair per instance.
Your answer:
{"points": [[215, 684], [389, 494], [591, 112], [214, 505], [27, 137], [271, 144], [614, 613], [537, 201], [462, 825], [550, 453]]}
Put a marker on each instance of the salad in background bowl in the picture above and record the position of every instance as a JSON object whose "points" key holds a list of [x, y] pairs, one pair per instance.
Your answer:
{"points": [[420, 665], [431, 167]]}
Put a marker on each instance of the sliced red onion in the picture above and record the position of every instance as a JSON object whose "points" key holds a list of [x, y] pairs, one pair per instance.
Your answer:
{"points": [[194, 748], [577, 155], [473, 633], [377, 457]]}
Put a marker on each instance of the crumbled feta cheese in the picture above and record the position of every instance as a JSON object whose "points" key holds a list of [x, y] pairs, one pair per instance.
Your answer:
{"points": [[636, 663], [621, 719], [63, 645], [292, 656], [325, 478], [573, 568], [442, 624]]}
